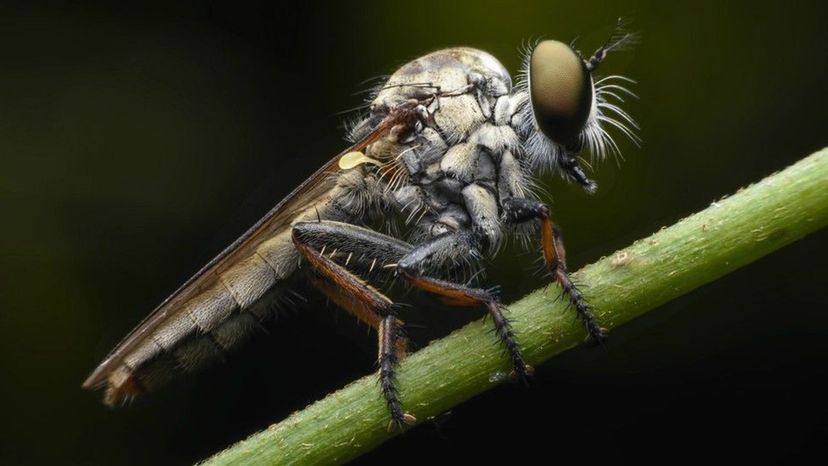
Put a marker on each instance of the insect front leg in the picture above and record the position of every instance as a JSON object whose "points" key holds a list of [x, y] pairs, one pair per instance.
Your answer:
{"points": [[519, 210], [412, 267], [348, 290]]}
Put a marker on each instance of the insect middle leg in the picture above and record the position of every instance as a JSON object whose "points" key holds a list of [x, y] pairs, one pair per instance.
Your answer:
{"points": [[412, 267], [519, 210], [366, 248]]}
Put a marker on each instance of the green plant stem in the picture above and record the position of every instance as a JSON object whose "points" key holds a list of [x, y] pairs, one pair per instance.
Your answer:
{"points": [[729, 234]]}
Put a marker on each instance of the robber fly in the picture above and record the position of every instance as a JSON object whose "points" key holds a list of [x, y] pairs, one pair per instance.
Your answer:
{"points": [[450, 148]]}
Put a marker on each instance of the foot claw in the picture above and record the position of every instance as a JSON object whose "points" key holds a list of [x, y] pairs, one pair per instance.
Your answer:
{"points": [[522, 376], [398, 423]]}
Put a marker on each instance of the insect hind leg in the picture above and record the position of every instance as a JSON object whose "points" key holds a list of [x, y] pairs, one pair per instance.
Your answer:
{"points": [[353, 294]]}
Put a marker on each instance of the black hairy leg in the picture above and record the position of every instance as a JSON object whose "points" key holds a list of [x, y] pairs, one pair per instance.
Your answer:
{"points": [[519, 210], [411, 268], [365, 302], [390, 335], [370, 250]]}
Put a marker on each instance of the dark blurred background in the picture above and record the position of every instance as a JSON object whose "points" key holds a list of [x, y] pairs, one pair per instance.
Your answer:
{"points": [[136, 141]]}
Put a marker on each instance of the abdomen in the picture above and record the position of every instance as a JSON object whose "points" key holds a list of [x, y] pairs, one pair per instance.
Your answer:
{"points": [[224, 304]]}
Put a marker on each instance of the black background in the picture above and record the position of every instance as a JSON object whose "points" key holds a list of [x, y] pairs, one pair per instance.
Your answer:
{"points": [[137, 141]]}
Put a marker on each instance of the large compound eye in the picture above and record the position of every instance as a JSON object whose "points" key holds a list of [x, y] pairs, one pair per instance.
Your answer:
{"points": [[561, 90]]}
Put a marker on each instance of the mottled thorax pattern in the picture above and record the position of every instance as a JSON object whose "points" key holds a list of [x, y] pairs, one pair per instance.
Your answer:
{"points": [[457, 169]]}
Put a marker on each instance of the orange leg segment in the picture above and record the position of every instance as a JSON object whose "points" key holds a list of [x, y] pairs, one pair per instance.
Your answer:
{"points": [[517, 210]]}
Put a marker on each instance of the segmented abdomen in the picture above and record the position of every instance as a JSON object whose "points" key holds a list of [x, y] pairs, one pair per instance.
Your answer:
{"points": [[210, 324], [226, 306]]}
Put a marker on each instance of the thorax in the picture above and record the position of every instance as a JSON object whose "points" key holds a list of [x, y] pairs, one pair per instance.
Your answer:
{"points": [[430, 171]]}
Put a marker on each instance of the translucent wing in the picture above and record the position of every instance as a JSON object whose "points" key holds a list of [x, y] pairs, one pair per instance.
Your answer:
{"points": [[201, 317]]}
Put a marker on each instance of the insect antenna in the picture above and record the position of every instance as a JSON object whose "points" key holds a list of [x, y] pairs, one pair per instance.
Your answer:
{"points": [[620, 39]]}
